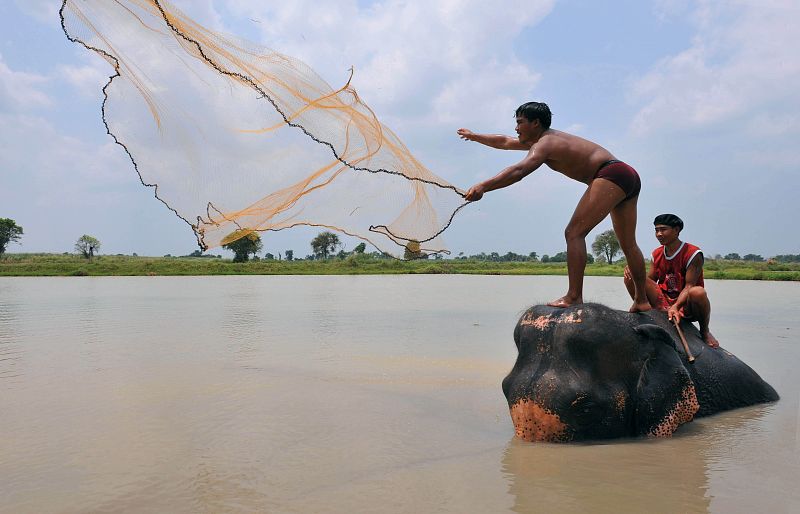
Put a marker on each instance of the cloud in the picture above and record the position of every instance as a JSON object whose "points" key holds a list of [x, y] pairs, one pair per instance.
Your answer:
{"points": [[87, 79], [410, 58], [20, 90], [67, 160], [45, 11], [741, 61], [500, 88]]}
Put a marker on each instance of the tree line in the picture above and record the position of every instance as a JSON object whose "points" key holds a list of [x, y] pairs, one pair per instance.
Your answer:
{"points": [[326, 245]]}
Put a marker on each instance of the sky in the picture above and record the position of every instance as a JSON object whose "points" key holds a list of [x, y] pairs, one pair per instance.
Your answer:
{"points": [[701, 97]]}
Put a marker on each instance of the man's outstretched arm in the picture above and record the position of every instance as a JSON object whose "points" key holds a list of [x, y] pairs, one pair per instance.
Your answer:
{"points": [[498, 141], [510, 175]]}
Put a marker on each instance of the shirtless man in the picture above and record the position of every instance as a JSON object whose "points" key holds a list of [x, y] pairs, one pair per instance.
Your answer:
{"points": [[675, 282], [613, 188]]}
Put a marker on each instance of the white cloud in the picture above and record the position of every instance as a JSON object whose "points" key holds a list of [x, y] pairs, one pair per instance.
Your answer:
{"points": [[87, 79], [33, 147], [410, 58], [21, 90], [743, 60], [500, 88], [45, 11]]}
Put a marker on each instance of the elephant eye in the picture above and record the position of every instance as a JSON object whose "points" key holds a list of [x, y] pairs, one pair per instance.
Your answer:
{"points": [[584, 409], [582, 404]]}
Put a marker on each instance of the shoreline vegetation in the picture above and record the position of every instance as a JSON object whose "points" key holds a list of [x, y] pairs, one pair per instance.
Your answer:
{"points": [[54, 265]]}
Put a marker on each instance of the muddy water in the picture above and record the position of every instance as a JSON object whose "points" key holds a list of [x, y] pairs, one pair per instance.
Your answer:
{"points": [[349, 394]]}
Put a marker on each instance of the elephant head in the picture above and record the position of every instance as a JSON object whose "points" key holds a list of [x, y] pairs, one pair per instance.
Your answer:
{"points": [[591, 372]]}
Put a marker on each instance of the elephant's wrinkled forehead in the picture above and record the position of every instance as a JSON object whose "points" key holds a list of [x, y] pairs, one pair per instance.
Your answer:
{"points": [[545, 321]]}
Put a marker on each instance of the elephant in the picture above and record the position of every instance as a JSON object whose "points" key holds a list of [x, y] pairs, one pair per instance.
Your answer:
{"points": [[589, 372]]}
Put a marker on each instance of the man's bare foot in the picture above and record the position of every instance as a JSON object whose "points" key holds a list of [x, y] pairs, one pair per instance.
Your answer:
{"points": [[710, 340], [565, 301], [640, 306]]}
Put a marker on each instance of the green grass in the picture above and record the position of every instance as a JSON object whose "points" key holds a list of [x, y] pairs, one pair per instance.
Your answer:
{"points": [[121, 265]]}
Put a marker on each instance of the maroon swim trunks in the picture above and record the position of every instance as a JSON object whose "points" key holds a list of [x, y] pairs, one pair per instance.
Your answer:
{"points": [[622, 175]]}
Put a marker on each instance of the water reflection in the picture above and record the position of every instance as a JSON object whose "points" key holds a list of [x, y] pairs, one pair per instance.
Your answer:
{"points": [[10, 336], [636, 475], [241, 323], [599, 477]]}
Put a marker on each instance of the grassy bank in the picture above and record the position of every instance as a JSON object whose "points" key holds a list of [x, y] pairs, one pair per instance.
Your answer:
{"points": [[108, 265]]}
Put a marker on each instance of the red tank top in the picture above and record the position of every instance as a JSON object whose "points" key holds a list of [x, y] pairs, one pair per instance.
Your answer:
{"points": [[670, 270]]}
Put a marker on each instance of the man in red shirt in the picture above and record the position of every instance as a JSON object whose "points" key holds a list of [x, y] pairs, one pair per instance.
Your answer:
{"points": [[675, 282]]}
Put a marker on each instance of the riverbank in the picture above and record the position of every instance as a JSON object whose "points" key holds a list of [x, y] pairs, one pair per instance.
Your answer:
{"points": [[124, 265]]}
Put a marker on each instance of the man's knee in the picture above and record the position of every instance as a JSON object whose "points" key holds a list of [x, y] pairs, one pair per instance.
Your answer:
{"points": [[697, 294], [575, 232]]}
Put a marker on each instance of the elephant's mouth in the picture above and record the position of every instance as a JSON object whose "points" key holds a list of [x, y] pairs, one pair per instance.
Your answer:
{"points": [[532, 422]]}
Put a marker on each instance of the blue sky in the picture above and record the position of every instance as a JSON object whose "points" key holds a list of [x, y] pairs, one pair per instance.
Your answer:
{"points": [[699, 96]]}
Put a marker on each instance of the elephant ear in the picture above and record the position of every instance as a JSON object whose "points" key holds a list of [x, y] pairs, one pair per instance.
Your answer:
{"points": [[665, 394]]}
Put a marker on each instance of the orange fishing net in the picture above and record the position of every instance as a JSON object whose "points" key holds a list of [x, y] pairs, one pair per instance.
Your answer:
{"points": [[237, 138]]}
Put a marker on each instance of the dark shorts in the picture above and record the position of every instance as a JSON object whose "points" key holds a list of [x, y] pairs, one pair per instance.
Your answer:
{"points": [[622, 175]]}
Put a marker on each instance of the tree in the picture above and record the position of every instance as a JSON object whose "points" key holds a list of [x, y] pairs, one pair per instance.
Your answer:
{"points": [[242, 243], [607, 245], [10, 232], [559, 257], [753, 257], [289, 255], [325, 244], [87, 245], [360, 248], [733, 257], [787, 258], [532, 256]]}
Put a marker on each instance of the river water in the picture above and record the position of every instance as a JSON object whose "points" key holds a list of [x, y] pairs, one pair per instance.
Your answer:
{"points": [[350, 394]]}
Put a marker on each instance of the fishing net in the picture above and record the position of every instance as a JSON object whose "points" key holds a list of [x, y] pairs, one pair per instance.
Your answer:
{"points": [[236, 138]]}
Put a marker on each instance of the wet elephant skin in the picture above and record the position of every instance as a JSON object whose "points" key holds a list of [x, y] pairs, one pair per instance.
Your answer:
{"points": [[590, 372]]}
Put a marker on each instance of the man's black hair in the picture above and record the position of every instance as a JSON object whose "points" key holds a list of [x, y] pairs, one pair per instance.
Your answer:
{"points": [[669, 220], [535, 111]]}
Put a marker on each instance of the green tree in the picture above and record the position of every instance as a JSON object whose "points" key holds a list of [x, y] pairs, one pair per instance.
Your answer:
{"points": [[289, 255], [87, 245], [325, 244], [360, 248], [559, 257], [10, 232], [412, 252], [753, 257], [607, 245], [533, 257], [243, 243], [733, 257]]}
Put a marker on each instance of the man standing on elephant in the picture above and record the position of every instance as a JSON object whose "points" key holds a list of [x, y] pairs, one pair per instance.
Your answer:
{"points": [[613, 187], [675, 282]]}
